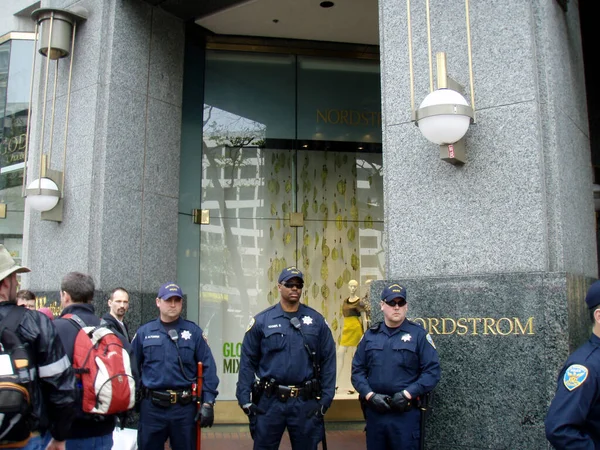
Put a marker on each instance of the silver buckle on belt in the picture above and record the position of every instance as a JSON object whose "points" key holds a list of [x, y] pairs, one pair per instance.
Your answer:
{"points": [[294, 391]]}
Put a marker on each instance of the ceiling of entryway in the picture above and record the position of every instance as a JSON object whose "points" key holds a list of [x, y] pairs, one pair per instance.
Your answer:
{"points": [[350, 21]]}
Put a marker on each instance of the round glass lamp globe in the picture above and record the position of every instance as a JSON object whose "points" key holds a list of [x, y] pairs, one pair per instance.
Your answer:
{"points": [[444, 128], [42, 202]]}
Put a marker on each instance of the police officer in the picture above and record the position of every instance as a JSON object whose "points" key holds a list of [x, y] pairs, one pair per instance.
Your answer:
{"points": [[573, 420], [395, 363], [287, 370], [167, 351]]}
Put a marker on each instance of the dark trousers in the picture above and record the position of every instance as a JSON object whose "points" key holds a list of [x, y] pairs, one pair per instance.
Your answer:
{"points": [[175, 422], [393, 431], [305, 433]]}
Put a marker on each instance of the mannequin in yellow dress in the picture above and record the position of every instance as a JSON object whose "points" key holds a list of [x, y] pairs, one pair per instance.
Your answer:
{"points": [[354, 322]]}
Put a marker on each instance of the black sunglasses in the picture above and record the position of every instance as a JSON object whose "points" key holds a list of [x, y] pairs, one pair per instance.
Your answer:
{"points": [[293, 285], [393, 303]]}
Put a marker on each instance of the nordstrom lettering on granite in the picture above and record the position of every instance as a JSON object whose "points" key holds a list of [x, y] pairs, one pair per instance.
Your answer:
{"points": [[474, 326]]}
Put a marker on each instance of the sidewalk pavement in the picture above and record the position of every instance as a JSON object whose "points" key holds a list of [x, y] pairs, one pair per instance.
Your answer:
{"points": [[340, 436], [336, 440]]}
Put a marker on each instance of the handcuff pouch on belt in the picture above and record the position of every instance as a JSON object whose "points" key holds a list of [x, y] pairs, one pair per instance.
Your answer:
{"points": [[170, 397]]}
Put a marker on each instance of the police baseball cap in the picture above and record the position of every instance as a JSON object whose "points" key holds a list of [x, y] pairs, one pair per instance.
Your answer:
{"points": [[593, 295], [169, 290], [393, 291], [8, 265], [288, 273]]}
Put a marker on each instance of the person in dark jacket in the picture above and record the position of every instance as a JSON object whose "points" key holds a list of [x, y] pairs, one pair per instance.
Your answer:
{"points": [[54, 389], [76, 294], [167, 352], [573, 419], [118, 305], [290, 350], [395, 363]]}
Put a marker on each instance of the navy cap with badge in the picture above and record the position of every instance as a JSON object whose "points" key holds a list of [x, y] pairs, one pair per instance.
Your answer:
{"points": [[169, 290], [392, 292], [288, 273], [593, 295]]}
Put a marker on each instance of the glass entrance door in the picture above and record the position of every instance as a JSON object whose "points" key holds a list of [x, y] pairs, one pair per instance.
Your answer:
{"points": [[285, 181]]}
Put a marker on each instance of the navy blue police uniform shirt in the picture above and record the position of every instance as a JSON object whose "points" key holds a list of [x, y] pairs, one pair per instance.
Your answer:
{"points": [[156, 356], [389, 360], [573, 419], [273, 349]]}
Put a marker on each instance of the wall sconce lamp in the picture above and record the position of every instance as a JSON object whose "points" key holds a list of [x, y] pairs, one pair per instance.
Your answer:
{"points": [[55, 31], [444, 115]]}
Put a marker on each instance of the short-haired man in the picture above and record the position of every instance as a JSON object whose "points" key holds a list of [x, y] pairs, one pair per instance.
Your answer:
{"points": [[395, 363], [54, 387], [92, 432], [26, 298], [573, 420], [168, 350], [287, 370], [118, 305]]}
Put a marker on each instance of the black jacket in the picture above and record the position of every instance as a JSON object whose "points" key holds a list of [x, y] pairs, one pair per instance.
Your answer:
{"points": [[54, 388], [85, 426], [115, 326]]}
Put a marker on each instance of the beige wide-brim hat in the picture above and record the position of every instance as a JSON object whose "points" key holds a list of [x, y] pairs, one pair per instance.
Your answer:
{"points": [[8, 265]]}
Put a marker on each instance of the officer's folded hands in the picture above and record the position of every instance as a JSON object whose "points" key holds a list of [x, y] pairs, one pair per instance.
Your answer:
{"points": [[380, 402]]}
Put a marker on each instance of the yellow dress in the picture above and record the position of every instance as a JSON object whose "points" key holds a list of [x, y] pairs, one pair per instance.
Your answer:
{"points": [[352, 330]]}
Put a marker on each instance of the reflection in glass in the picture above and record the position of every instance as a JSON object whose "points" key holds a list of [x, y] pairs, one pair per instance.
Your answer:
{"points": [[255, 173], [15, 76]]}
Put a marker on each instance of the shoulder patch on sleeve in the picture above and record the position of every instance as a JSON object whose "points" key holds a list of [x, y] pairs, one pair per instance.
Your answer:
{"points": [[575, 376], [205, 337], [430, 340], [250, 324]]}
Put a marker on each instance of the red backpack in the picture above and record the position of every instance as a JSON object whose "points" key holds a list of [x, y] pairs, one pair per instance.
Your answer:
{"points": [[103, 369]]}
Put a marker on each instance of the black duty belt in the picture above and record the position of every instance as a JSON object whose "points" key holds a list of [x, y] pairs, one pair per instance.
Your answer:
{"points": [[308, 390], [286, 392], [170, 397]]}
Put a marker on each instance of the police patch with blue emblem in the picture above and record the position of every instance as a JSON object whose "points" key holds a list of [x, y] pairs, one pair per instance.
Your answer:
{"points": [[430, 340], [574, 376]]}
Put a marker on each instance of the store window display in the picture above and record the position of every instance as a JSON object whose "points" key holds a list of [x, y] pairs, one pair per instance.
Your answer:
{"points": [[355, 318]]}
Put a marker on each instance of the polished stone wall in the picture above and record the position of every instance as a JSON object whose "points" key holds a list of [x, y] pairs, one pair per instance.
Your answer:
{"points": [[122, 172], [523, 201], [508, 236]]}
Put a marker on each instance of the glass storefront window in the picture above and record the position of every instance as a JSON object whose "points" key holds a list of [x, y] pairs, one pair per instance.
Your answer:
{"points": [[268, 153], [15, 76]]}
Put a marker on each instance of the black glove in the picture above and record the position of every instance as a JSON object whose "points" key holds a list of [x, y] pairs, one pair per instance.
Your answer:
{"points": [[379, 403], [400, 402], [250, 409], [206, 415], [319, 411]]}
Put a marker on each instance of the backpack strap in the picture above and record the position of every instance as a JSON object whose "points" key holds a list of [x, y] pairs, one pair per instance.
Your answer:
{"points": [[13, 318], [75, 320]]}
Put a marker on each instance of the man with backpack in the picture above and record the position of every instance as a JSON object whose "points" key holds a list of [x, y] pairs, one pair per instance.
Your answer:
{"points": [[51, 382], [77, 326]]}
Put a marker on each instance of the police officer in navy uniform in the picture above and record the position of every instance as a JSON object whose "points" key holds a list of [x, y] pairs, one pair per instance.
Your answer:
{"points": [[287, 370], [167, 351], [395, 364], [573, 420]]}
